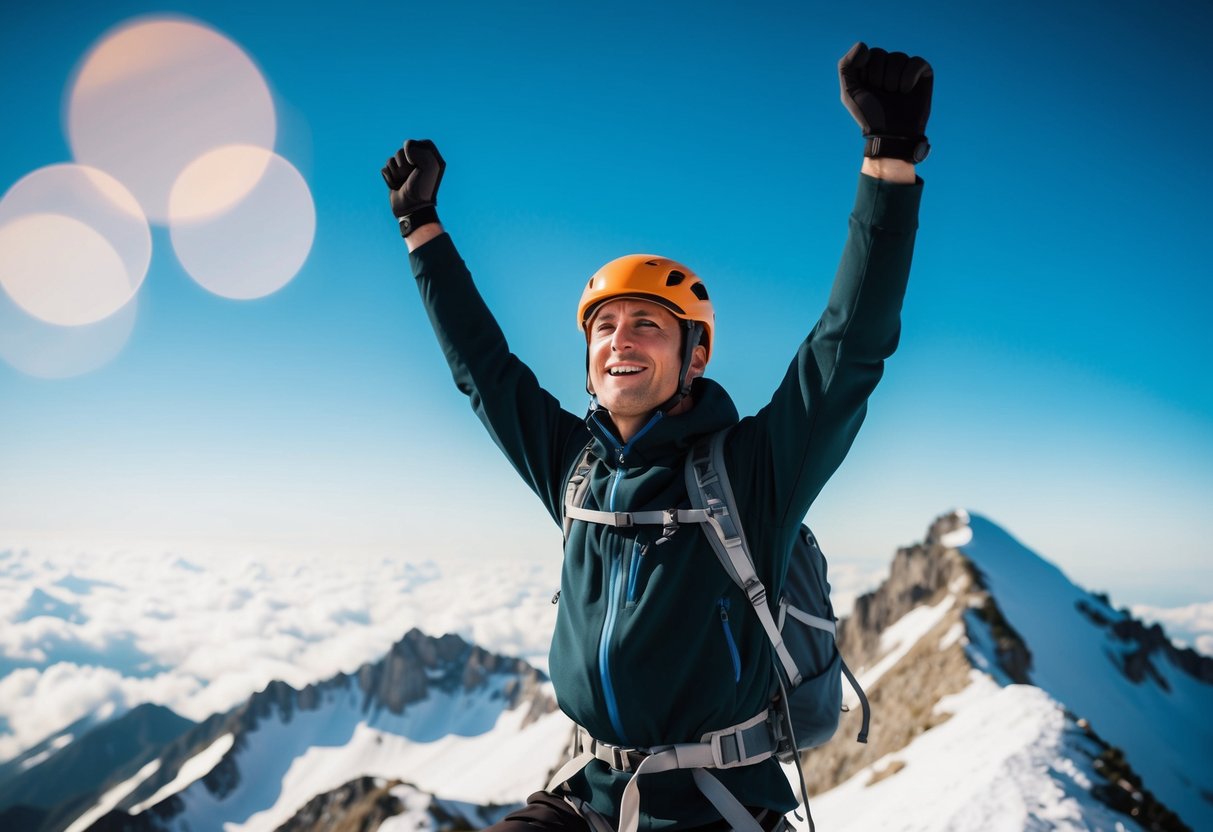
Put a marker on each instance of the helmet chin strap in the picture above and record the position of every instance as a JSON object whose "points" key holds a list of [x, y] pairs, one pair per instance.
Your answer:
{"points": [[691, 336]]}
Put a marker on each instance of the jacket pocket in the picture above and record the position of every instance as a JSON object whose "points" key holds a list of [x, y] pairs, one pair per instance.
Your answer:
{"points": [[734, 655], [638, 552]]}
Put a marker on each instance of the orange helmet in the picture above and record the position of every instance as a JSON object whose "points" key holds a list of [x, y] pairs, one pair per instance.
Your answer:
{"points": [[647, 277]]}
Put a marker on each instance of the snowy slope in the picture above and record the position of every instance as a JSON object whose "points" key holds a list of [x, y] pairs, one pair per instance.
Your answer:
{"points": [[1006, 698], [435, 713], [1163, 724], [448, 745], [1008, 760]]}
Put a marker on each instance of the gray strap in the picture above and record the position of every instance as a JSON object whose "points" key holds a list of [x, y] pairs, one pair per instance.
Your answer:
{"points": [[594, 820], [570, 768], [708, 485], [626, 519], [863, 701], [726, 803], [743, 744], [812, 620], [575, 491]]}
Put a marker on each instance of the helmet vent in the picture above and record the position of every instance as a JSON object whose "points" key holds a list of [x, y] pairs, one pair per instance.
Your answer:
{"points": [[699, 290], [674, 278]]}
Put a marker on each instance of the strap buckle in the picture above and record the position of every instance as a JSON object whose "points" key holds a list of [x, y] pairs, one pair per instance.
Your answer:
{"points": [[623, 519], [755, 591], [618, 757], [728, 749], [623, 759]]}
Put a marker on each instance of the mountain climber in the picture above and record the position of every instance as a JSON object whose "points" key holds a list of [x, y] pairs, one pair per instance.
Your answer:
{"points": [[645, 655]]}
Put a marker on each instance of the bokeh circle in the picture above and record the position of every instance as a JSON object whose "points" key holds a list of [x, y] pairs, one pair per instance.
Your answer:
{"points": [[44, 350], [74, 245], [158, 93], [259, 244]]}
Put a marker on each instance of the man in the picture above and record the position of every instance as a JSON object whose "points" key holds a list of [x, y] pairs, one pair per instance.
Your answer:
{"points": [[645, 653]]}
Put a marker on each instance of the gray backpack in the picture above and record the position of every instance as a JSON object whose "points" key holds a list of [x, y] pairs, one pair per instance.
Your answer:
{"points": [[808, 668]]}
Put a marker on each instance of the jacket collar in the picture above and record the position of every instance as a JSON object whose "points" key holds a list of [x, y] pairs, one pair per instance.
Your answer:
{"points": [[664, 438]]}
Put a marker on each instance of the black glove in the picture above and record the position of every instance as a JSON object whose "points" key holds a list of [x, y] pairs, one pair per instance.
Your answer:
{"points": [[889, 94], [413, 175]]}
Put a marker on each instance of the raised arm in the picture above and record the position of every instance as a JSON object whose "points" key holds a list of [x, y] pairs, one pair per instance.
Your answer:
{"points": [[815, 414], [527, 423]]}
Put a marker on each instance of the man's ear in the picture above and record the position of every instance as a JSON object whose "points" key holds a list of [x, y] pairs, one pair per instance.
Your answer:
{"points": [[699, 361]]}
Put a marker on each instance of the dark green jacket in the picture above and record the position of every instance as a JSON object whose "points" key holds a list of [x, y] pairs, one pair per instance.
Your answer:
{"points": [[655, 644]]}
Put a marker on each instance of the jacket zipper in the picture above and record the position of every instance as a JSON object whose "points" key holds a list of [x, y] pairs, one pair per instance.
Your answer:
{"points": [[614, 591], [723, 603], [604, 647]]}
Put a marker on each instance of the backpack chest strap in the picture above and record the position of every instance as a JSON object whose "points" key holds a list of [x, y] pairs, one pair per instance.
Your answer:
{"points": [[627, 519]]}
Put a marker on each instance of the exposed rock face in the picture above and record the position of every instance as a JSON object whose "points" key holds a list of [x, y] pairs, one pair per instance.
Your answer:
{"points": [[905, 696], [903, 699], [419, 662], [414, 665], [1143, 645], [362, 805], [358, 806]]}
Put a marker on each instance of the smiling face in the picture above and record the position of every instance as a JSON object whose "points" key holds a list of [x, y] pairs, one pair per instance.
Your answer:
{"points": [[635, 351]]}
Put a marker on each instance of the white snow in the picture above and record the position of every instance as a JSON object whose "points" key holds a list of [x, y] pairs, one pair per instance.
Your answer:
{"points": [[460, 746], [113, 797], [415, 817], [61, 741], [1004, 762], [194, 769], [899, 638], [1166, 734], [954, 635]]}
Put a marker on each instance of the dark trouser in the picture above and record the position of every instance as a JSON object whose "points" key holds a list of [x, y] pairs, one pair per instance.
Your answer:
{"points": [[545, 810]]}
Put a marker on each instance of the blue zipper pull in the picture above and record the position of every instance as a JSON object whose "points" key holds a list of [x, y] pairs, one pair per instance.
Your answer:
{"points": [[734, 655], [634, 571]]}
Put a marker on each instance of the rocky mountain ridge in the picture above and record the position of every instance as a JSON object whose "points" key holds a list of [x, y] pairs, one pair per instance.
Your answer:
{"points": [[415, 669], [940, 597]]}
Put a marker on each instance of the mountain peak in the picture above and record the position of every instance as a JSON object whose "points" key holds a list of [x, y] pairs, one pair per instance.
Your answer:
{"points": [[971, 609]]}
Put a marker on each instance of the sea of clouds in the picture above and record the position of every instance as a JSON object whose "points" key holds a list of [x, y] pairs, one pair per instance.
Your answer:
{"points": [[92, 631], [95, 632]]}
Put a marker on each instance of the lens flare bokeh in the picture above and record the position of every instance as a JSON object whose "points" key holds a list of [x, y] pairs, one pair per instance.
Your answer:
{"points": [[155, 95], [44, 350], [74, 245], [259, 244]]}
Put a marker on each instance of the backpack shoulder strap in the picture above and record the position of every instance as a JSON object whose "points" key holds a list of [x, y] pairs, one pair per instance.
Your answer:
{"points": [[709, 488], [575, 490]]}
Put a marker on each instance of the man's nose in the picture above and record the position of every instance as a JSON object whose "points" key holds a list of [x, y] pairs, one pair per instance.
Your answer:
{"points": [[621, 339]]}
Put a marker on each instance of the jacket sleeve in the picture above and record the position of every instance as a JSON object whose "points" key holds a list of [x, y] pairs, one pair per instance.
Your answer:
{"points": [[801, 437], [538, 437]]}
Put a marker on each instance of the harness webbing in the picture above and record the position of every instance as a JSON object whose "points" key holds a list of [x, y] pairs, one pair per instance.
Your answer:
{"points": [[746, 743]]}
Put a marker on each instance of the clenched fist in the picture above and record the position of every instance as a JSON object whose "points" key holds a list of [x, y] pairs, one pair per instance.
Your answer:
{"points": [[413, 176], [889, 95]]}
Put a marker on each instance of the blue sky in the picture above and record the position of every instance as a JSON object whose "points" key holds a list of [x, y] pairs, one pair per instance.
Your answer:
{"points": [[1052, 370]]}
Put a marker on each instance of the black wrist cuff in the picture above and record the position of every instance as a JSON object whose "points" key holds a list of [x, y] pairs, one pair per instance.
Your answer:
{"points": [[912, 150], [422, 216]]}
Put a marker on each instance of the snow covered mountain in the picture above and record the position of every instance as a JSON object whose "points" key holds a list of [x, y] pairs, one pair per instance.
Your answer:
{"points": [[431, 718], [1006, 697]]}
